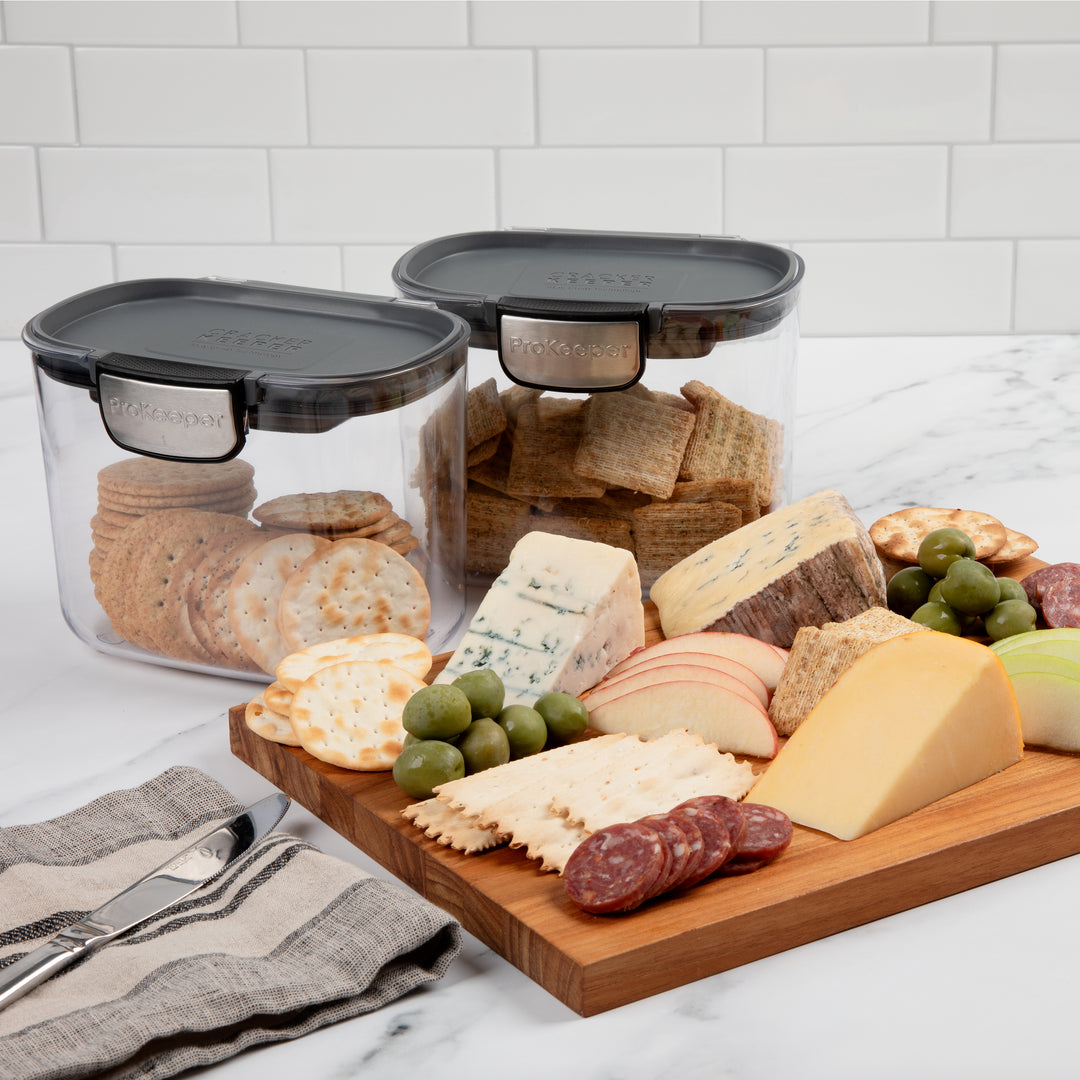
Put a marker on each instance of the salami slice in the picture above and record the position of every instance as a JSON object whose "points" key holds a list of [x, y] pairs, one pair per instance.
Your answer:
{"points": [[768, 833], [696, 842], [728, 810], [1038, 581], [613, 869], [1061, 602], [716, 845], [678, 849]]}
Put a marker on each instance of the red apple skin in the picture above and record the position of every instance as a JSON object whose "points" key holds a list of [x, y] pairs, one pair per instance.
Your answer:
{"points": [[714, 661], [727, 719], [643, 675], [765, 660]]}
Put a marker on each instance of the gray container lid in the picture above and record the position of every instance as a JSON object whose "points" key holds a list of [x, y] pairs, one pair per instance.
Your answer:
{"points": [[285, 358], [684, 293]]}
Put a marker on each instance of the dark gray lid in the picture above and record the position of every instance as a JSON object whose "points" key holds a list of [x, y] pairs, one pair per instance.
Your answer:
{"points": [[686, 293], [292, 359]]}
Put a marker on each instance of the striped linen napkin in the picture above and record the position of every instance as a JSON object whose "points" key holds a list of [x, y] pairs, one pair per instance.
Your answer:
{"points": [[287, 940]]}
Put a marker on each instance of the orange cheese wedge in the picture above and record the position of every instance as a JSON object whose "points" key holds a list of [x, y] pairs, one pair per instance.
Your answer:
{"points": [[914, 719]]}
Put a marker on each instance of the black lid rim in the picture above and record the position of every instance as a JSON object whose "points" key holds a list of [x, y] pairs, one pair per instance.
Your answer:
{"points": [[47, 346], [404, 272]]}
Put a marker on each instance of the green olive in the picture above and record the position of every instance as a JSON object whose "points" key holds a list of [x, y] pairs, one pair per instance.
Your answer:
{"points": [[1008, 618], [484, 689], [941, 548], [565, 715], [485, 744], [937, 617], [935, 592], [908, 589], [440, 711], [970, 587], [423, 766], [525, 729], [1008, 589]]}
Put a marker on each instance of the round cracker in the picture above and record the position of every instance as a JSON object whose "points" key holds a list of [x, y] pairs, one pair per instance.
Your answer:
{"points": [[212, 626], [160, 581], [255, 592], [240, 500], [324, 510], [278, 697], [349, 714], [157, 477], [403, 651], [898, 535], [268, 722], [1016, 546], [351, 587]]}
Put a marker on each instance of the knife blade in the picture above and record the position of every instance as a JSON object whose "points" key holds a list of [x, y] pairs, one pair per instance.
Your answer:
{"points": [[180, 876]]}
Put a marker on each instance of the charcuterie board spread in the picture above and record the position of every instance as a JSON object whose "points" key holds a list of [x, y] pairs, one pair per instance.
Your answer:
{"points": [[809, 725]]}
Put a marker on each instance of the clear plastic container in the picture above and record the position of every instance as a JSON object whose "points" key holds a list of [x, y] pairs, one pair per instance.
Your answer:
{"points": [[646, 384], [219, 416]]}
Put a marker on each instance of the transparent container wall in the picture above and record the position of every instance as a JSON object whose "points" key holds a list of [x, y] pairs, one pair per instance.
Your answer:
{"points": [[626, 468], [413, 455]]}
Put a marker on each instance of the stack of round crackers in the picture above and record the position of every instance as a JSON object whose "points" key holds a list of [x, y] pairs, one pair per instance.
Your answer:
{"points": [[342, 700], [133, 487], [339, 515], [897, 536]]}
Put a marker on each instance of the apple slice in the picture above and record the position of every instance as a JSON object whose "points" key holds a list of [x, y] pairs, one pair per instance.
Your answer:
{"points": [[760, 657], [1048, 694], [706, 660], [637, 677], [1064, 641], [719, 716]]}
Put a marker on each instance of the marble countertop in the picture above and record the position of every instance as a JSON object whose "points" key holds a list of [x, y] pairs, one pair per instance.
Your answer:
{"points": [[979, 984]]}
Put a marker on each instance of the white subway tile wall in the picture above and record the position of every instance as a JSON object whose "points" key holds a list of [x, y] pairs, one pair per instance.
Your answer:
{"points": [[923, 156]]}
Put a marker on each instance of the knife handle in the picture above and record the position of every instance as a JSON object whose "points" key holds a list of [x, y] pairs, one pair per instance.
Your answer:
{"points": [[46, 960]]}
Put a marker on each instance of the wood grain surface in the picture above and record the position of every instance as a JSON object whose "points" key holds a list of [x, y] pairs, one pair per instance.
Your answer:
{"points": [[1023, 817]]}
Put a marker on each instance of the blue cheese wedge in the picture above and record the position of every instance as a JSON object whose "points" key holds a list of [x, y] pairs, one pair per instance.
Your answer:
{"points": [[562, 613], [806, 564]]}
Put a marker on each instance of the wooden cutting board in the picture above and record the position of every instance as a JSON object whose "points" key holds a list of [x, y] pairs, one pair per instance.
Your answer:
{"points": [[1023, 817]]}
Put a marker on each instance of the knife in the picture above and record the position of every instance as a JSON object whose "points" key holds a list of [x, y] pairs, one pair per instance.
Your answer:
{"points": [[182, 875]]}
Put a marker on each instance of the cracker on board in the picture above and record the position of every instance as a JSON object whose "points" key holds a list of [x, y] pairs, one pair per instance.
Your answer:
{"points": [[349, 714], [254, 594], [1017, 546], [545, 445], [278, 697], [676, 766], [403, 651], [485, 416], [820, 655], [349, 587], [451, 827], [316, 510], [269, 723], [666, 532], [635, 442], [899, 534]]}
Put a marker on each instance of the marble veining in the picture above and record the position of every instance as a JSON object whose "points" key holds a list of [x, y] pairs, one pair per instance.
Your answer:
{"points": [[977, 984]]}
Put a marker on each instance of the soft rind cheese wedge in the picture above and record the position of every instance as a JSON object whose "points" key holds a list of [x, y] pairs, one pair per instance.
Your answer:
{"points": [[803, 565], [562, 613], [911, 721]]}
